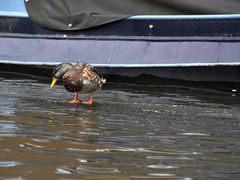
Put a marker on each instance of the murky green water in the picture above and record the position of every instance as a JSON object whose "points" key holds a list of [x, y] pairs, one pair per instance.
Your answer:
{"points": [[131, 132]]}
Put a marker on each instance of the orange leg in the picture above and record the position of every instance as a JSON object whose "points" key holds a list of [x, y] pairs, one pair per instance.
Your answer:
{"points": [[90, 101], [75, 100]]}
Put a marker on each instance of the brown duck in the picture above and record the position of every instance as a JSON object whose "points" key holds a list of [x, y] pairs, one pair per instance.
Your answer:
{"points": [[78, 78]]}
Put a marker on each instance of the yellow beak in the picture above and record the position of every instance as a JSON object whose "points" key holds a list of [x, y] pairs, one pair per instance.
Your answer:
{"points": [[54, 80]]}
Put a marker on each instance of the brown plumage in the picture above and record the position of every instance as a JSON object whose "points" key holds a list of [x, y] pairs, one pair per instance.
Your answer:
{"points": [[78, 78]]}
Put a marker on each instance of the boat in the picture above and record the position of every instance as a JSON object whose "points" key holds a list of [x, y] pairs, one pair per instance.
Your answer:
{"points": [[36, 35]]}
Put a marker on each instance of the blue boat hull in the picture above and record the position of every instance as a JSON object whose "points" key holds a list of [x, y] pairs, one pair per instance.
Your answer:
{"points": [[198, 48]]}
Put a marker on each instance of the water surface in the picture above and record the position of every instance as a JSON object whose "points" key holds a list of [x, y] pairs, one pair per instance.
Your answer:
{"points": [[131, 132]]}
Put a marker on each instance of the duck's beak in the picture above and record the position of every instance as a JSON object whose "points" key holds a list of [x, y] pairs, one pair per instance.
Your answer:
{"points": [[54, 80]]}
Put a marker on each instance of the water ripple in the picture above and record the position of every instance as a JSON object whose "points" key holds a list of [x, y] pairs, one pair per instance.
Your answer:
{"points": [[10, 163], [161, 166], [130, 132]]}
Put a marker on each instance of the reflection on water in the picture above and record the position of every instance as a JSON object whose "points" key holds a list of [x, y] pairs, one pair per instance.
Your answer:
{"points": [[131, 132]]}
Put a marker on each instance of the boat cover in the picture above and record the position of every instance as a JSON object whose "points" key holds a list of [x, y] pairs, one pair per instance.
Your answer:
{"points": [[80, 14]]}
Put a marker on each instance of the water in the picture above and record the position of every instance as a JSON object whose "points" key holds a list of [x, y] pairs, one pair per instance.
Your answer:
{"points": [[131, 132]]}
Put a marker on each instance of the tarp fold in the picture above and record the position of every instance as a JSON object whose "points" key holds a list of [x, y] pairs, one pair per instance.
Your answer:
{"points": [[81, 14]]}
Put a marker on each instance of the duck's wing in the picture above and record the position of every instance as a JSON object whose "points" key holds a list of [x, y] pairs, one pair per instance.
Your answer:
{"points": [[92, 75], [79, 67], [93, 70]]}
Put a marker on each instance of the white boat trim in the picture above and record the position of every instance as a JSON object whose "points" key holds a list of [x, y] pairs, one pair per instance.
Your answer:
{"points": [[172, 17], [24, 14], [37, 63]]}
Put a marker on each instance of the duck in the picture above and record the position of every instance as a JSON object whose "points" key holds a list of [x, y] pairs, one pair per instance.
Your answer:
{"points": [[79, 78]]}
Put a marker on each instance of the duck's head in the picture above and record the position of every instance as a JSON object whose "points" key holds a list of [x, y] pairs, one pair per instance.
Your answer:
{"points": [[59, 71]]}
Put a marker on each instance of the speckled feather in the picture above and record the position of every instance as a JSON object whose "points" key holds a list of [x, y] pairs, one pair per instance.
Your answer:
{"points": [[82, 78]]}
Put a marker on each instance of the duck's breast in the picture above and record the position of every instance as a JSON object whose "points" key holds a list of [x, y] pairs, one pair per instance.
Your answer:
{"points": [[72, 81]]}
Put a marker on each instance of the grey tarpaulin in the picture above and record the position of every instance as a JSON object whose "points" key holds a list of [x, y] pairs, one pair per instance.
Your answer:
{"points": [[80, 14]]}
